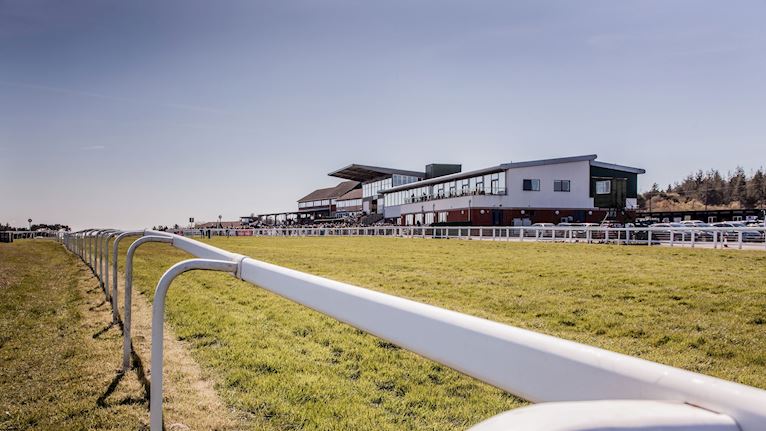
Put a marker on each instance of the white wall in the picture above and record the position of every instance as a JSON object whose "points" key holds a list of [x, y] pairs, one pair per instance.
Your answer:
{"points": [[578, 173]]}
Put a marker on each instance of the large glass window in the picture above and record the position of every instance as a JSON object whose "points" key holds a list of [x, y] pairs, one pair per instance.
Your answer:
{"points": [[400, 180], [349, 203], [372, 189], [484, 184]]}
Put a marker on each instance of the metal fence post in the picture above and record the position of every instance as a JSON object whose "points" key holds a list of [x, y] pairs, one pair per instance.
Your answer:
{"points": [[115, 268], [128, 291], [158, 320]]}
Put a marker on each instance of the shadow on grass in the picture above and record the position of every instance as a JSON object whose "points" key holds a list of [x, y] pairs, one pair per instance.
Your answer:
{"points": [[97, 306], [138, 367]]}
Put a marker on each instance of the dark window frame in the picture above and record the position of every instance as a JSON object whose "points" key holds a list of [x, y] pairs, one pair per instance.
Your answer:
{"points": [[558, 186], [528, 185]]}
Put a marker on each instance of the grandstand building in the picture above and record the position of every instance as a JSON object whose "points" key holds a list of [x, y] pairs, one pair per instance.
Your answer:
{"points": [[576, 189], [374, 179], [570, 189], [323, 203]]}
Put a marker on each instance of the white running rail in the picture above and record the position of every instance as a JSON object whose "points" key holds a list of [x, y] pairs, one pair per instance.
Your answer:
{"points": [[576, 387], [707, 237]]}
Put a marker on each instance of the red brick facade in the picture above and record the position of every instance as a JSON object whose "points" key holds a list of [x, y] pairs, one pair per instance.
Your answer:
{"points": [[505, 217]]}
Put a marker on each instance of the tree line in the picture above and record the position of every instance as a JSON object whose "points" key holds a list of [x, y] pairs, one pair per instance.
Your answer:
{"points": [[41, 226], [735, 189]]}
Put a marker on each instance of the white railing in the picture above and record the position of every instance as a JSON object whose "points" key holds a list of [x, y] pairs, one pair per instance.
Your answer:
{"points": [[710, 237], [576, 386]]}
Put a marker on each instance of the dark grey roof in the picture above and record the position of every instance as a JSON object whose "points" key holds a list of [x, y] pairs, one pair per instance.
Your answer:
{"points": [[330, 192], [364, 173], [618, 167], [588, 157], [353, 194]]}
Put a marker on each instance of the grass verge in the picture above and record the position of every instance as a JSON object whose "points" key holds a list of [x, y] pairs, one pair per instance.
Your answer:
{"points": [[58, 348]]}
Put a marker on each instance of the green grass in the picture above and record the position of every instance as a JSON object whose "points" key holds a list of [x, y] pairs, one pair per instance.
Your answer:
{"points": [[288, 367], [58, 351]]}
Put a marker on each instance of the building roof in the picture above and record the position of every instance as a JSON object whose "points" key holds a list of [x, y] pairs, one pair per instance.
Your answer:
{"points": [[353, 194], [364, 173], [591, 158], [330, 192], [618, 167], [556, 161]]}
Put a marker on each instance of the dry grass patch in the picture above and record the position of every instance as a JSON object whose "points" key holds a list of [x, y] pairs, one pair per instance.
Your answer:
{"points": [[60, 353]]}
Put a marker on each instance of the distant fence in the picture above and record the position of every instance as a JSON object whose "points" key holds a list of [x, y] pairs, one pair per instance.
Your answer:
{"points": [[715, 237], [576, 386], [10, 235]]}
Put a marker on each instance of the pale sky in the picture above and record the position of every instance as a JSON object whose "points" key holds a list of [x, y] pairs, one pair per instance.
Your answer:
{"points": [[137, 113]]}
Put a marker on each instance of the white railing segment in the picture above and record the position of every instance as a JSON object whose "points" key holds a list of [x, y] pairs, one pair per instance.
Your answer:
{"points": [[710, 237], [533, 366]]}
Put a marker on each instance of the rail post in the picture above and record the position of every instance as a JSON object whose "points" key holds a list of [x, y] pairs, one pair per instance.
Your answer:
{"points": [[158, 320], [128, 291], [115, 268]]}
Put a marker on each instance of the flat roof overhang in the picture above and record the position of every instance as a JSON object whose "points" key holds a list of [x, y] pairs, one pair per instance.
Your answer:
{"points": [[364, 173]]}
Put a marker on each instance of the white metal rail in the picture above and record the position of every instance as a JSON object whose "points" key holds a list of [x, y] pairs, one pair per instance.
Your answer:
{"points": [[576, 386], [707, 237]]}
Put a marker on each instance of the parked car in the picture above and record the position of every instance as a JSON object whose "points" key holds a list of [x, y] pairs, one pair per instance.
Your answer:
{"points": [[701, 234], [733, 235], [662, 231]]}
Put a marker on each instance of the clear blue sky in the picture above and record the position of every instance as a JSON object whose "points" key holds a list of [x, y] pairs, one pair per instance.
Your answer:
{"points": [[136, 113]]}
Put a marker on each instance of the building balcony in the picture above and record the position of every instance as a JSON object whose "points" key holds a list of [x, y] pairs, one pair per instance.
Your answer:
{"points": [[457, 193]]}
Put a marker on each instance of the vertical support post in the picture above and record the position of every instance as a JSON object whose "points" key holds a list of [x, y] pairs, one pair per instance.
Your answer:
{"points": [[115, 268], [158, 320], [126, 347]]}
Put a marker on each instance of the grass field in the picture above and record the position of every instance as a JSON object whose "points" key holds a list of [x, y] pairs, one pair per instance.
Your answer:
{"points": [[58, 351], [286, 367]]}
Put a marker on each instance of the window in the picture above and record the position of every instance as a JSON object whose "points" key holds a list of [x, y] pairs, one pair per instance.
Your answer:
{"points": [[603, 187], [442, 217], [737, 218], [561, 186], [531, 185], [429, 218]]}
